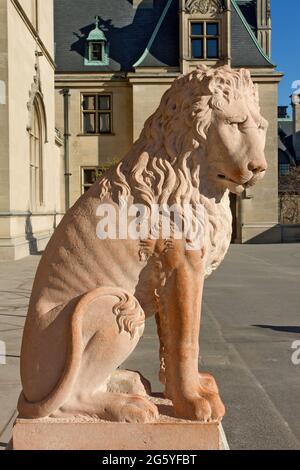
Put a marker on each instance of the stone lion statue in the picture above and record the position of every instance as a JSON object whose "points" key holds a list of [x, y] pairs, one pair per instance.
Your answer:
{"points": [[91, 295]]}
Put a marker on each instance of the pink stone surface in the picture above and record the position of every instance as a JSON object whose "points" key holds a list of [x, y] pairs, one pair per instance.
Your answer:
{"points": [[59, 434], [92, 295]]}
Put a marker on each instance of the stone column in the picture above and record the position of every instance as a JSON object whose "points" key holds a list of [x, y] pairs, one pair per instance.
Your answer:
{"points": [[264, 29]]}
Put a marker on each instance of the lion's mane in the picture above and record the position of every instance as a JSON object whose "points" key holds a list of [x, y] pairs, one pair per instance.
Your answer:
{"points": [[163, 167]]}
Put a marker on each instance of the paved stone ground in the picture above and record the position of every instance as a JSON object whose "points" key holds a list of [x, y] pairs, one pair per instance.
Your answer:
{"points": [[250, 320]]}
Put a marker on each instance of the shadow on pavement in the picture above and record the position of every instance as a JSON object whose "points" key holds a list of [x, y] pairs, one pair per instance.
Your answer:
{"points": [[286, 329]]}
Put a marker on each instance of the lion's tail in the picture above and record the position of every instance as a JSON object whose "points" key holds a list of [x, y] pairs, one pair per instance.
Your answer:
{"points": [[62, 390], [129, 317]]}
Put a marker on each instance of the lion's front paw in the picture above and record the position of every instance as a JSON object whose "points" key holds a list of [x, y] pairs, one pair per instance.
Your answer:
{"points": [[206, 407]]}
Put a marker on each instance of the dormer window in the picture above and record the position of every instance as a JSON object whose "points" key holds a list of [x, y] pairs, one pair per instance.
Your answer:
{"points": [[97, 49], [205, 40]]}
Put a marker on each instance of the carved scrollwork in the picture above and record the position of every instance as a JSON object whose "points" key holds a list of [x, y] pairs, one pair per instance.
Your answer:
{"points": [[204, 6], [36, 95]]}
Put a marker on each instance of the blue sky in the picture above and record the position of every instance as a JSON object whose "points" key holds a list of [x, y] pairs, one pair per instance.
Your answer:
{"points": [[286, 44]]}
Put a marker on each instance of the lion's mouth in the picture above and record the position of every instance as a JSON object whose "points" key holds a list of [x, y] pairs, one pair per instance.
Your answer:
{"points": [[233, 186], [238, 187], [223, 177]]}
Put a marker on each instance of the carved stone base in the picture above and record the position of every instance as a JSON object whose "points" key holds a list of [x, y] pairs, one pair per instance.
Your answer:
{"points": [[168, 433]]}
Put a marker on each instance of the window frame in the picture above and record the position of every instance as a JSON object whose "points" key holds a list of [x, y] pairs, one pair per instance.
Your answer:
{"points": [[97, 168], [205, 37], [97, 111], [90, 51], [88, 61]]}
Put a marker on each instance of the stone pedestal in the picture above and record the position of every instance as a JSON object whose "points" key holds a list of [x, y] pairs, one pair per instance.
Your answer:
{"points": [[78, 435], [168, 433]]}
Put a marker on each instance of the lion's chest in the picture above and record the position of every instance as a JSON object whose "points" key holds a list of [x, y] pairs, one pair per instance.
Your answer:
{"points": [[218, 232]]}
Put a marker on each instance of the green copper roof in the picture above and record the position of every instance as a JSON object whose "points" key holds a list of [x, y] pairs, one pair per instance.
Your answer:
{"points": [[96, 34]]}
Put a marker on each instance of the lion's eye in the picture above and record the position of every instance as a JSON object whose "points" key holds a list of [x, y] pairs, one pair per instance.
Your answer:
{"points": [[235, 121], [228, 122], [232, 124]]}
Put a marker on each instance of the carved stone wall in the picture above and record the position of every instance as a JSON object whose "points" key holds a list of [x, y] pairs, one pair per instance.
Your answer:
{"points": [[289, 209], [204, 6]]}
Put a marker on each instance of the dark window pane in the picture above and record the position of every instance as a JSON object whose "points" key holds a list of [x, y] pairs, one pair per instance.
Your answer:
{"points": [[89, 125], [101, 171], [104, 102], [197, 29], [104, 123], [95, 51], [197, 48], [90, 176], [88, 102], [212, 48], [212, 29], [284, 169]]}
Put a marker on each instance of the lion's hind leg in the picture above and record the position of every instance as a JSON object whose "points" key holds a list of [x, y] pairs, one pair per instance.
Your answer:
{"points": [[112, 324], [127, 381]]}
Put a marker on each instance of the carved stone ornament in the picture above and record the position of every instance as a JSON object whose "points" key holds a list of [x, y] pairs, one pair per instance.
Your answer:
{"points": [[94, 290], [204, 6], [36, 94]]}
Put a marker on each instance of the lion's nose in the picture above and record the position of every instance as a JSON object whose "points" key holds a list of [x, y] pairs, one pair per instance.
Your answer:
{"points": [[258, 166]]}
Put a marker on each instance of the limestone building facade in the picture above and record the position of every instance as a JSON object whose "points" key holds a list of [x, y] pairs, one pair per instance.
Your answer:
{"points": [[31, 159], [115, 59], [79, 79]]}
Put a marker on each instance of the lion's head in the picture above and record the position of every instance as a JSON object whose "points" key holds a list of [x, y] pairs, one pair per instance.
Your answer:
{"points": [[236, 137], [215, 111], [209, 126]]}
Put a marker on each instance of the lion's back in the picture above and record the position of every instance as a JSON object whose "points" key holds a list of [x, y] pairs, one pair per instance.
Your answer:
{"points": [[76, 261]]}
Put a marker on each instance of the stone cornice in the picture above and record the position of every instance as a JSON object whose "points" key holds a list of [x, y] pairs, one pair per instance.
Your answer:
{"points": [[82, 80]]}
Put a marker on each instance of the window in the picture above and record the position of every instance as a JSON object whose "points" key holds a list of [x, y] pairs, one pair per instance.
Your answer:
{"points": [[90, 175], [97, 46], [284, 169], [36, 160], [95, 51], [97, 114], [205, 40]]}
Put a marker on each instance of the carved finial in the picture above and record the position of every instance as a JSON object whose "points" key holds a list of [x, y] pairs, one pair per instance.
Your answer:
{"points": [[97, 22], [268, 9]]}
